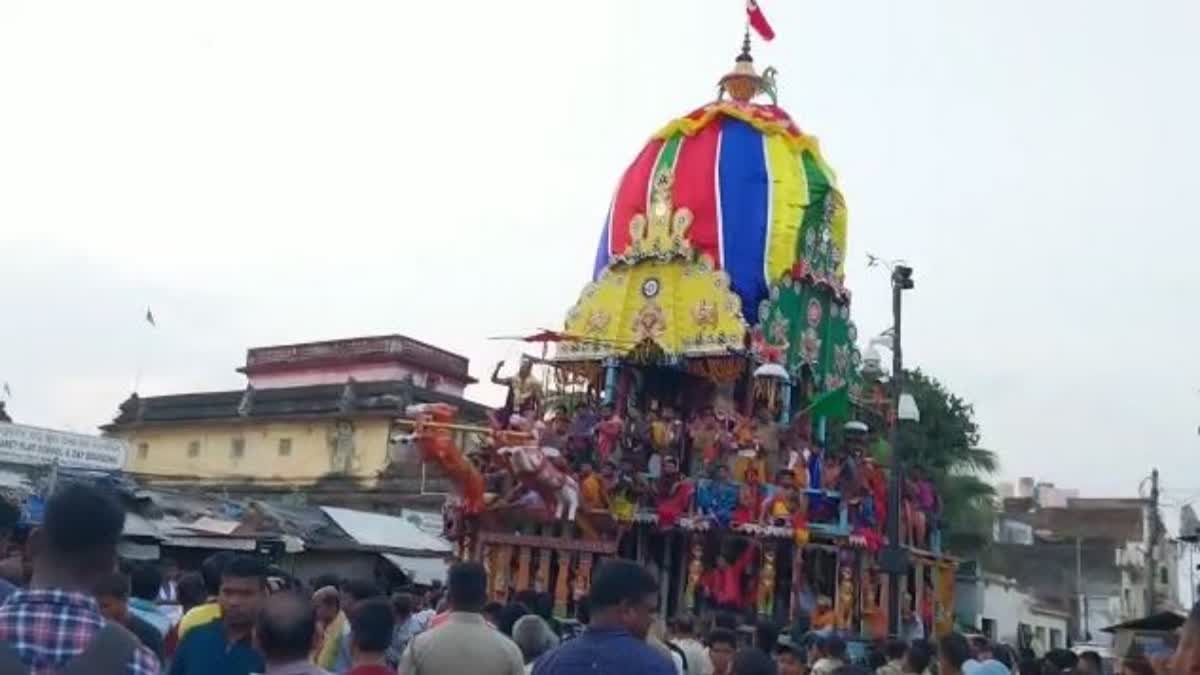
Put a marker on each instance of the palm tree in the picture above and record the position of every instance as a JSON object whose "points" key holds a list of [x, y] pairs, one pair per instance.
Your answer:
{"points": [[944, 445]]}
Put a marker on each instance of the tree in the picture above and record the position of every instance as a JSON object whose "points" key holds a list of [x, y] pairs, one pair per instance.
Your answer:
{"points": [[945, 446]]}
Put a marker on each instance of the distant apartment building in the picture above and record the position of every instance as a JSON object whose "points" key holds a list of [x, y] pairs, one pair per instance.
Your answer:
{"points": [[1086, 556]]}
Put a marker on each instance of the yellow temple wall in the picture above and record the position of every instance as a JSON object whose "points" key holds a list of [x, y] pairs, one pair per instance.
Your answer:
{"points": [[299, 451]]}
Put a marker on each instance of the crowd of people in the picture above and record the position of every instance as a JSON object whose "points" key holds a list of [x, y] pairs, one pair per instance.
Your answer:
{"points": [[79, 611], [700, 455]]}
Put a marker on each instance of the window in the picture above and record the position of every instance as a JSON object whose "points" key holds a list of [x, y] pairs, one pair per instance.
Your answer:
{"points": [[285, 447], [989, 628], [143, 450], [193, 449], [238, 449], [1039, 635], [1163, 577], [1056, 638]]}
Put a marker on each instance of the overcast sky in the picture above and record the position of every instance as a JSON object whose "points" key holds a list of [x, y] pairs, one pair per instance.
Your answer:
{"points": [[262, 172]]}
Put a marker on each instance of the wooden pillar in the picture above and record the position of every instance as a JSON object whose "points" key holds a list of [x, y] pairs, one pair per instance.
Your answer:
{"points": [[884, 580], [485, 557], [799, 582], [665, 576], [583, 576], [561, 587], [501, 573], [541, 582], [695, 570], [935, 580], [682, 602], [918, 587], [524, 558], [844, 590]]}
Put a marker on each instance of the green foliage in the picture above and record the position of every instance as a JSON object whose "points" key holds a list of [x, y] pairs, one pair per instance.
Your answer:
{"points": [[944, 445]]}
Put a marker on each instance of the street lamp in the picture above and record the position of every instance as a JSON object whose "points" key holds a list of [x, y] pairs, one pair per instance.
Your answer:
{"points": [[907, 410], [894, 559]]}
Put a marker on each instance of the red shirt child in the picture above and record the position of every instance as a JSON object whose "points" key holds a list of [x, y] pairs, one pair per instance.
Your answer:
{"points": [[724, 584]]}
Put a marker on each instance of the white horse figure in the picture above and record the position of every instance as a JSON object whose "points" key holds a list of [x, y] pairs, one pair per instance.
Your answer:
{"points": [[533, 467]]}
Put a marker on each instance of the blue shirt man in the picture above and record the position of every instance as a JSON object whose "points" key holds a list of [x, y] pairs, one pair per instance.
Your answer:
{"points": [[207, 650], [601, 651], [623, 601], [224, 647]]}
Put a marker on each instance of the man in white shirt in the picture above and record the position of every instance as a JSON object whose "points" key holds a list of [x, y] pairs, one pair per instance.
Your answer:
{"points": [[465, 643], [683, 634]]}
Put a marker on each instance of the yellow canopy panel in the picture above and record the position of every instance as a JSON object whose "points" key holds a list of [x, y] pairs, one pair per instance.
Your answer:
{"points": [[685, 307]]}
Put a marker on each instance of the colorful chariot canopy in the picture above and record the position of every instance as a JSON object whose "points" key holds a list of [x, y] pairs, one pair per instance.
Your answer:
{"points": [[726, 223], [753, 186]]}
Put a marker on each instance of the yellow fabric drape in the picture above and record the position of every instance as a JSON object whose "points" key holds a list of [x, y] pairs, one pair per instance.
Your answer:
{"points": [[789, 197]]}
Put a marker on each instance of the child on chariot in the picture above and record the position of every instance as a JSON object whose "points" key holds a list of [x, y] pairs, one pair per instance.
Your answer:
{"points": [[608, 432]]}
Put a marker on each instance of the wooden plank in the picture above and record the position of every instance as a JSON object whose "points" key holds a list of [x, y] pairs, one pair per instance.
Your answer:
{"points": [[556, 543], [524, 558]]}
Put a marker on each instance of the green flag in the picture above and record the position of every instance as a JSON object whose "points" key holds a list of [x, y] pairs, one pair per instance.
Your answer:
{"points": [[834, 404]]}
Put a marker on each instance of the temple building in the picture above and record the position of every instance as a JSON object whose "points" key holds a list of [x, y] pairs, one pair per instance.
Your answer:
{"points": [[316, 418]]}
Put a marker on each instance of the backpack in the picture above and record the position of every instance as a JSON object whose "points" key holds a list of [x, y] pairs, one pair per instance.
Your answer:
{"points": [[109, 653]]}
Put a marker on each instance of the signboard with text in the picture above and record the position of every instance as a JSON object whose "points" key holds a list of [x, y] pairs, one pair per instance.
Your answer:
{"points": [[20, 444]]}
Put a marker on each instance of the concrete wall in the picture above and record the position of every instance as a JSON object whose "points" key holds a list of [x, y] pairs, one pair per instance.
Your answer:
{"points": [[1132, 561]]}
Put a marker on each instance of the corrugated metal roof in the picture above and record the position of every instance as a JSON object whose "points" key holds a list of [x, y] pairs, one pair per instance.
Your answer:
{"points": [[377, 529], [137, 526], [420, 570]]}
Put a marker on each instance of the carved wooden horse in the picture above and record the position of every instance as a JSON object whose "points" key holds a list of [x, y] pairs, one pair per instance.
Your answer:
{"points": [[437, 446]]}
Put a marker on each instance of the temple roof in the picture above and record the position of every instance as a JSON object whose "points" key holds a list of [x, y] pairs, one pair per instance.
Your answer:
{"points": [[352, 399], [373, 349]]}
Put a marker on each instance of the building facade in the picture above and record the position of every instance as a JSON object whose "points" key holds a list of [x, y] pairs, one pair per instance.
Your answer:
{"points": [[997, 607], [323, 413], [1086, 555]]}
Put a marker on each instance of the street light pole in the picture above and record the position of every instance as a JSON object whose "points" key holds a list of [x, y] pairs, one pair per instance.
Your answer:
{"points": [[894, 561]]}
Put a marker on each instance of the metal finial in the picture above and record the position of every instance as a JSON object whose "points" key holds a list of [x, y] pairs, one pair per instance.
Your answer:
{"points": [[742, 83], [745, 55]]}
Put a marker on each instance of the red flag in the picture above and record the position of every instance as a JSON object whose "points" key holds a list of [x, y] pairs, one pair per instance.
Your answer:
{"points": [[758, 21]]}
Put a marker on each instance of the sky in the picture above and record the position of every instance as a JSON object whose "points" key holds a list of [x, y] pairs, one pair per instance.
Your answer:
{"points": [[275, 171]]}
